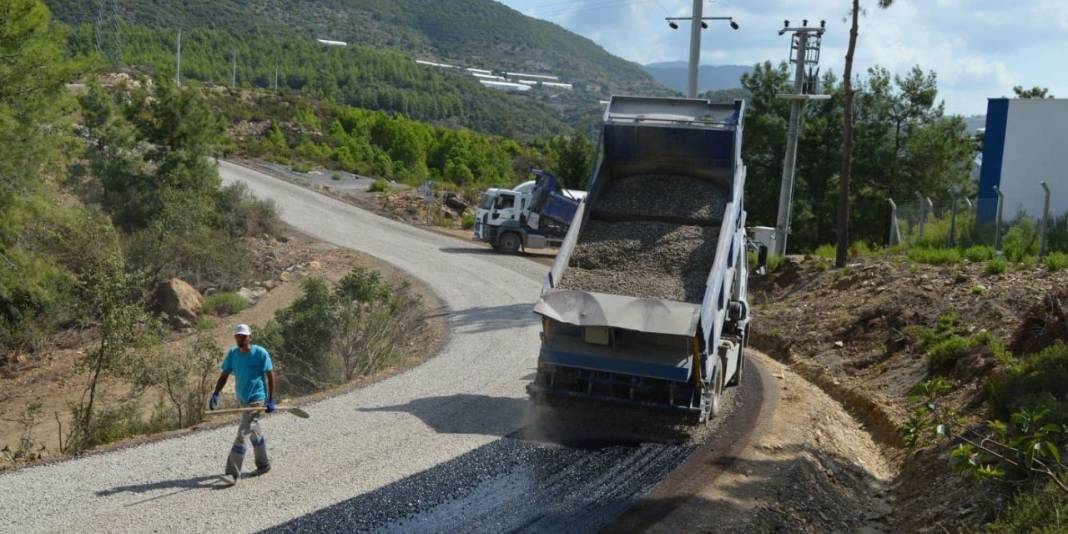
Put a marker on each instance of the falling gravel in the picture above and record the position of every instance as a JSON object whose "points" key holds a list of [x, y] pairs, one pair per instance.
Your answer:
{"points": [[625, 250]]}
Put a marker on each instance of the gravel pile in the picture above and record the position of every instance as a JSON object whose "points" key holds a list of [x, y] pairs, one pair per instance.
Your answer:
{"points": [[646, 259], [643, 259], [646, 195]]}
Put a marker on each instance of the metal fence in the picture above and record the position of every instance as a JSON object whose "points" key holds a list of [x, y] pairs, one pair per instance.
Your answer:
{"points": [[959, 221]]}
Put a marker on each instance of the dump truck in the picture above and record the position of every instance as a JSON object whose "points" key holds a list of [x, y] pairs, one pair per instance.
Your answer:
{"points": [[646, 300], [534, 214]]}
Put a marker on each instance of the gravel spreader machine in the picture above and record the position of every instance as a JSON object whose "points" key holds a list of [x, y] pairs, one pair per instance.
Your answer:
{"points": [[646, 301]]}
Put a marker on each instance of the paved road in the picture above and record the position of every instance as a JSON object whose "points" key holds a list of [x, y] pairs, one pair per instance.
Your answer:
{"points": [[397, 455]]}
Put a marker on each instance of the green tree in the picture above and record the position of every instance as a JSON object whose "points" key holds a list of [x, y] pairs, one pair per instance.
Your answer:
{"points": [[571, 159], [111, 148], [1034, 92], [111, 302], [35, 139], [300, 337], [847, 134]]}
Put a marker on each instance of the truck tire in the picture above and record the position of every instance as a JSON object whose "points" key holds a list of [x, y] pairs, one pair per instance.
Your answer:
{"points": [[712, 404], [717, 395], [509, 243]]}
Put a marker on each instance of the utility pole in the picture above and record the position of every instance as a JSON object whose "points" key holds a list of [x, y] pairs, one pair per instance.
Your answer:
{"points": [[178, 60], [695, 50], [233, 68], [276, 78], [805, 53], [697, 23]]}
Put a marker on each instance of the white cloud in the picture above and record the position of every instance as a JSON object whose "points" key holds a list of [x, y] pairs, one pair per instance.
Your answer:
{"points": [[979, 48]]}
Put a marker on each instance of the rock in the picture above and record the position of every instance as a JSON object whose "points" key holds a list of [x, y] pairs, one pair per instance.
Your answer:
{"points": [[285, 276], [269, 284], [314, 265], [453, 202], [179, 301], [248, 294]]}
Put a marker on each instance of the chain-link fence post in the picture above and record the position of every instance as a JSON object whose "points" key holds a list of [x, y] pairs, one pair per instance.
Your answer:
{"points": [[997, 221], [1045, 223], [954, 192], [923, 216], [895, 231]]}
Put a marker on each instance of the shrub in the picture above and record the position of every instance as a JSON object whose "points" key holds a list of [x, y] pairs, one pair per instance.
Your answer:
{"points": [[1042, 510], [379, 186], [979, 253], [860, 248], [1021, 240], [302, 167], [1057, 261], [242, 214], [935, 256], [468, 221], [826, 251], [1038, 381], [225, 303], [206, 322], [996, 266], [335, 177], [362, 285], [943, 356], [300, 337]]}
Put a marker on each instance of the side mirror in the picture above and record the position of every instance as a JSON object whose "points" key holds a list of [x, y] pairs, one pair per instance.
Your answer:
{"points": [[762, 259]]}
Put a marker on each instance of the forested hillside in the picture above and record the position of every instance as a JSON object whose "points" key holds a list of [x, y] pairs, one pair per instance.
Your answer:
{"points": [[481, 33], [356, 75]]}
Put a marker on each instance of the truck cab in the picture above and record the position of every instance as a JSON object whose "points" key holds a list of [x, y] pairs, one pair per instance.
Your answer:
{"points": [[534, 214]]}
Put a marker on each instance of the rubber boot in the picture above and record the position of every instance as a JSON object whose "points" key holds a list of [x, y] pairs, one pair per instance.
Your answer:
{"points": [[259, 448], [234, 461]]}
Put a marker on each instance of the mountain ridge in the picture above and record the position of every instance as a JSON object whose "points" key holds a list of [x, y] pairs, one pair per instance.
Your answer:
{"points": [[481, 33]]}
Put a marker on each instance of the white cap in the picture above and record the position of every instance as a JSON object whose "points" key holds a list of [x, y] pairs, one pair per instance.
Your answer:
{"points": [[242, 330]]}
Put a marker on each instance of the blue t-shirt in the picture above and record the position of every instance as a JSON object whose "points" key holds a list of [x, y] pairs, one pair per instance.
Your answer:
{"points": [[248, 369]]}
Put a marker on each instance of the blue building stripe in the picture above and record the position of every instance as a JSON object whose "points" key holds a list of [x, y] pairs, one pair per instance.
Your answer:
{"points": [[997, 115]]}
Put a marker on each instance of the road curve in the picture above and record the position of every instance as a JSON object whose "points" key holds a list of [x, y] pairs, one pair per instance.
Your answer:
{"points": [[464, 398], [451, 445]]}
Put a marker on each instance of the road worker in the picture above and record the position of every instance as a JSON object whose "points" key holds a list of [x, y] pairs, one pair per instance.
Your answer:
{"points": [[254, 387]]}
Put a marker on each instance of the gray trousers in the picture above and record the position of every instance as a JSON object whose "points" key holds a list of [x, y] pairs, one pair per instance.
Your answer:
{"points": [[250, 426]]}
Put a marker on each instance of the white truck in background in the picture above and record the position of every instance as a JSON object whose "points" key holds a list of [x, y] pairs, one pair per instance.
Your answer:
{"points": [[534, 214]]}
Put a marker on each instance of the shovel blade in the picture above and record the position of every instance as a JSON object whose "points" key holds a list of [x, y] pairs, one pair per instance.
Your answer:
{"points": [[298, 412]]}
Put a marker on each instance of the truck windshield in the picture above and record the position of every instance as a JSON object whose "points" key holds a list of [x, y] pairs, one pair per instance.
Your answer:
{"points": [[487, 202]]}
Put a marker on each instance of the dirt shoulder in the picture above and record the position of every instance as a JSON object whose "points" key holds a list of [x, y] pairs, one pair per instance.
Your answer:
{"points": [[807, 466], [859, 334], [55, 381]]}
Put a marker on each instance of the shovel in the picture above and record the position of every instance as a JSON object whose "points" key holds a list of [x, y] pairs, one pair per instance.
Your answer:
{"points": [[291, 409]]}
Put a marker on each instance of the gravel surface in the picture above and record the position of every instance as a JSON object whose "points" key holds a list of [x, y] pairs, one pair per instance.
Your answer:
{"points": [[643, 259], [451, 445], [344, 449]]}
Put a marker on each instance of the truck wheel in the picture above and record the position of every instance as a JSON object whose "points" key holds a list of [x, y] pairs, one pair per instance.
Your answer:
{"points": [[711, 404], [717, 395], [509, 243]]}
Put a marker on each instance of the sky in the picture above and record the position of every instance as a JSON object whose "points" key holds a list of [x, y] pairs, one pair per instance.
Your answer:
{"points": [[978, 48]]}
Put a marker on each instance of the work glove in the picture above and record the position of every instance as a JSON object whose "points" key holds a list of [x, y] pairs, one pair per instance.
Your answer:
{"points": [[213, 403], [270, 406]]}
